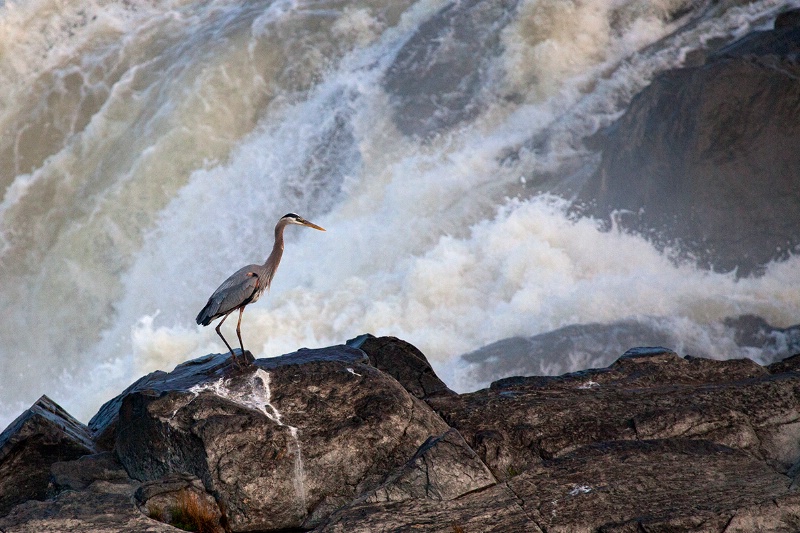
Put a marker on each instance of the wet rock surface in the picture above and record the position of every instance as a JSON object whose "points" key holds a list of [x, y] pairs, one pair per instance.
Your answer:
{"points": [[325, 440], [703, 157]]}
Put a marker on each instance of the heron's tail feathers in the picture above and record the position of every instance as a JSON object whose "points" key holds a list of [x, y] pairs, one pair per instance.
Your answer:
{"points": [[208, 314]]}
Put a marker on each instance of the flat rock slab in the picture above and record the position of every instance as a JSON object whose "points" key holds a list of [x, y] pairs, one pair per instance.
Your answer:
{"points": [[39, 437], [619, 486], [615, 482], [648, 394], [496, 509]]}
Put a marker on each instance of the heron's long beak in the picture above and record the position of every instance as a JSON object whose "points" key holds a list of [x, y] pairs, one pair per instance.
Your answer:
{"points": [[310, 225]]}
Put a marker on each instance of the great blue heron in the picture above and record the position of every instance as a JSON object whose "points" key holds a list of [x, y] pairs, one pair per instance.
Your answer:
{"points": [[247, 284]]}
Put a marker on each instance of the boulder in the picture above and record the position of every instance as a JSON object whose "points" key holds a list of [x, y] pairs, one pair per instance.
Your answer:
{"points": [[404, 362], [704, 159], [280, 444], [38, 438]]}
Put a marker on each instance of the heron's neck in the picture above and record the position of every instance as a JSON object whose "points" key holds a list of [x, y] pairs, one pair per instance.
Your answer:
{"points": [[274, 258]]}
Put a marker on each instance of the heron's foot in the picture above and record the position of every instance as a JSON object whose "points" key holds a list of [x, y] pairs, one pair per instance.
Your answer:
{"points": [[243, 359], [246, 358]]}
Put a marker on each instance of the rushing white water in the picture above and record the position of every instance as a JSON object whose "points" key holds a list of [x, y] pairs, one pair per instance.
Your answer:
{"points": [[149, 148]]}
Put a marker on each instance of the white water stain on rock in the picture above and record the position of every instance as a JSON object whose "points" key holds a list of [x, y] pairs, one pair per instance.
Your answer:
{"points": [[255, 394]]}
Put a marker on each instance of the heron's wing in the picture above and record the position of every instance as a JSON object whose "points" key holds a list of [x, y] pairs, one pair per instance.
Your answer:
{"points": [[234, 291]]}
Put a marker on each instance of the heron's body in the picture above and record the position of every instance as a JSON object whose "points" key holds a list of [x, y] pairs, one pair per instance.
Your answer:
{"points": [[247, 284]]}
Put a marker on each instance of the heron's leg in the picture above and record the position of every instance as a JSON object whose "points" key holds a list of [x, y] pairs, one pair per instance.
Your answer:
{"points": [[233, 355], [239, 330]]}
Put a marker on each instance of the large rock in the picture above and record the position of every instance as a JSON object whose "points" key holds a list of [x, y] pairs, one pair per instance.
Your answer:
{"points": [[39, 437], [281, 444], [706, 157], [647, 394]]}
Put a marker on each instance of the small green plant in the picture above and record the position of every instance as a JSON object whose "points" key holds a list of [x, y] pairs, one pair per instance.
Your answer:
{"points": [[512, 471]]}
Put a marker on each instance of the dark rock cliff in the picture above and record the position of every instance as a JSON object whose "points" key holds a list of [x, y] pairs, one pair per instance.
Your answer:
{"points": [[705, 157]]}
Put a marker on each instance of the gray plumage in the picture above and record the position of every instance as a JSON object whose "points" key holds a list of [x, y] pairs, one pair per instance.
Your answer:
{"points": [[247, 284]]}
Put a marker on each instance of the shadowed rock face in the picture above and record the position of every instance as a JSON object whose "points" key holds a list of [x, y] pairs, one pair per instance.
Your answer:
{"points": [[436, 79], [706, 157]]}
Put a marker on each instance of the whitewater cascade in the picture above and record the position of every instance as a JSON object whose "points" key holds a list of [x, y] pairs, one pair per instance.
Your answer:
{"points": [[149, 148]]}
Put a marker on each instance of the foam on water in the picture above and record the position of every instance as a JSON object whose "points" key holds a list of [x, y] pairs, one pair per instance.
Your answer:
{"points": [[184, 130]]}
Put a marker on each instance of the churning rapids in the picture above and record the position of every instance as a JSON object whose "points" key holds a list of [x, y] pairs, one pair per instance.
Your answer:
{"points": [[148, 149]]}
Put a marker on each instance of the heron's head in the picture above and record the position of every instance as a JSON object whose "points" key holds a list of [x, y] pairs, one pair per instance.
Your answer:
{"points": [[293, 218]]}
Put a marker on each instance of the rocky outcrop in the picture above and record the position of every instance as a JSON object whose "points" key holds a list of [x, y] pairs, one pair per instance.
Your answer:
{"points": [[704, 156], [648, 394], [38, 438], [325, 440]]}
